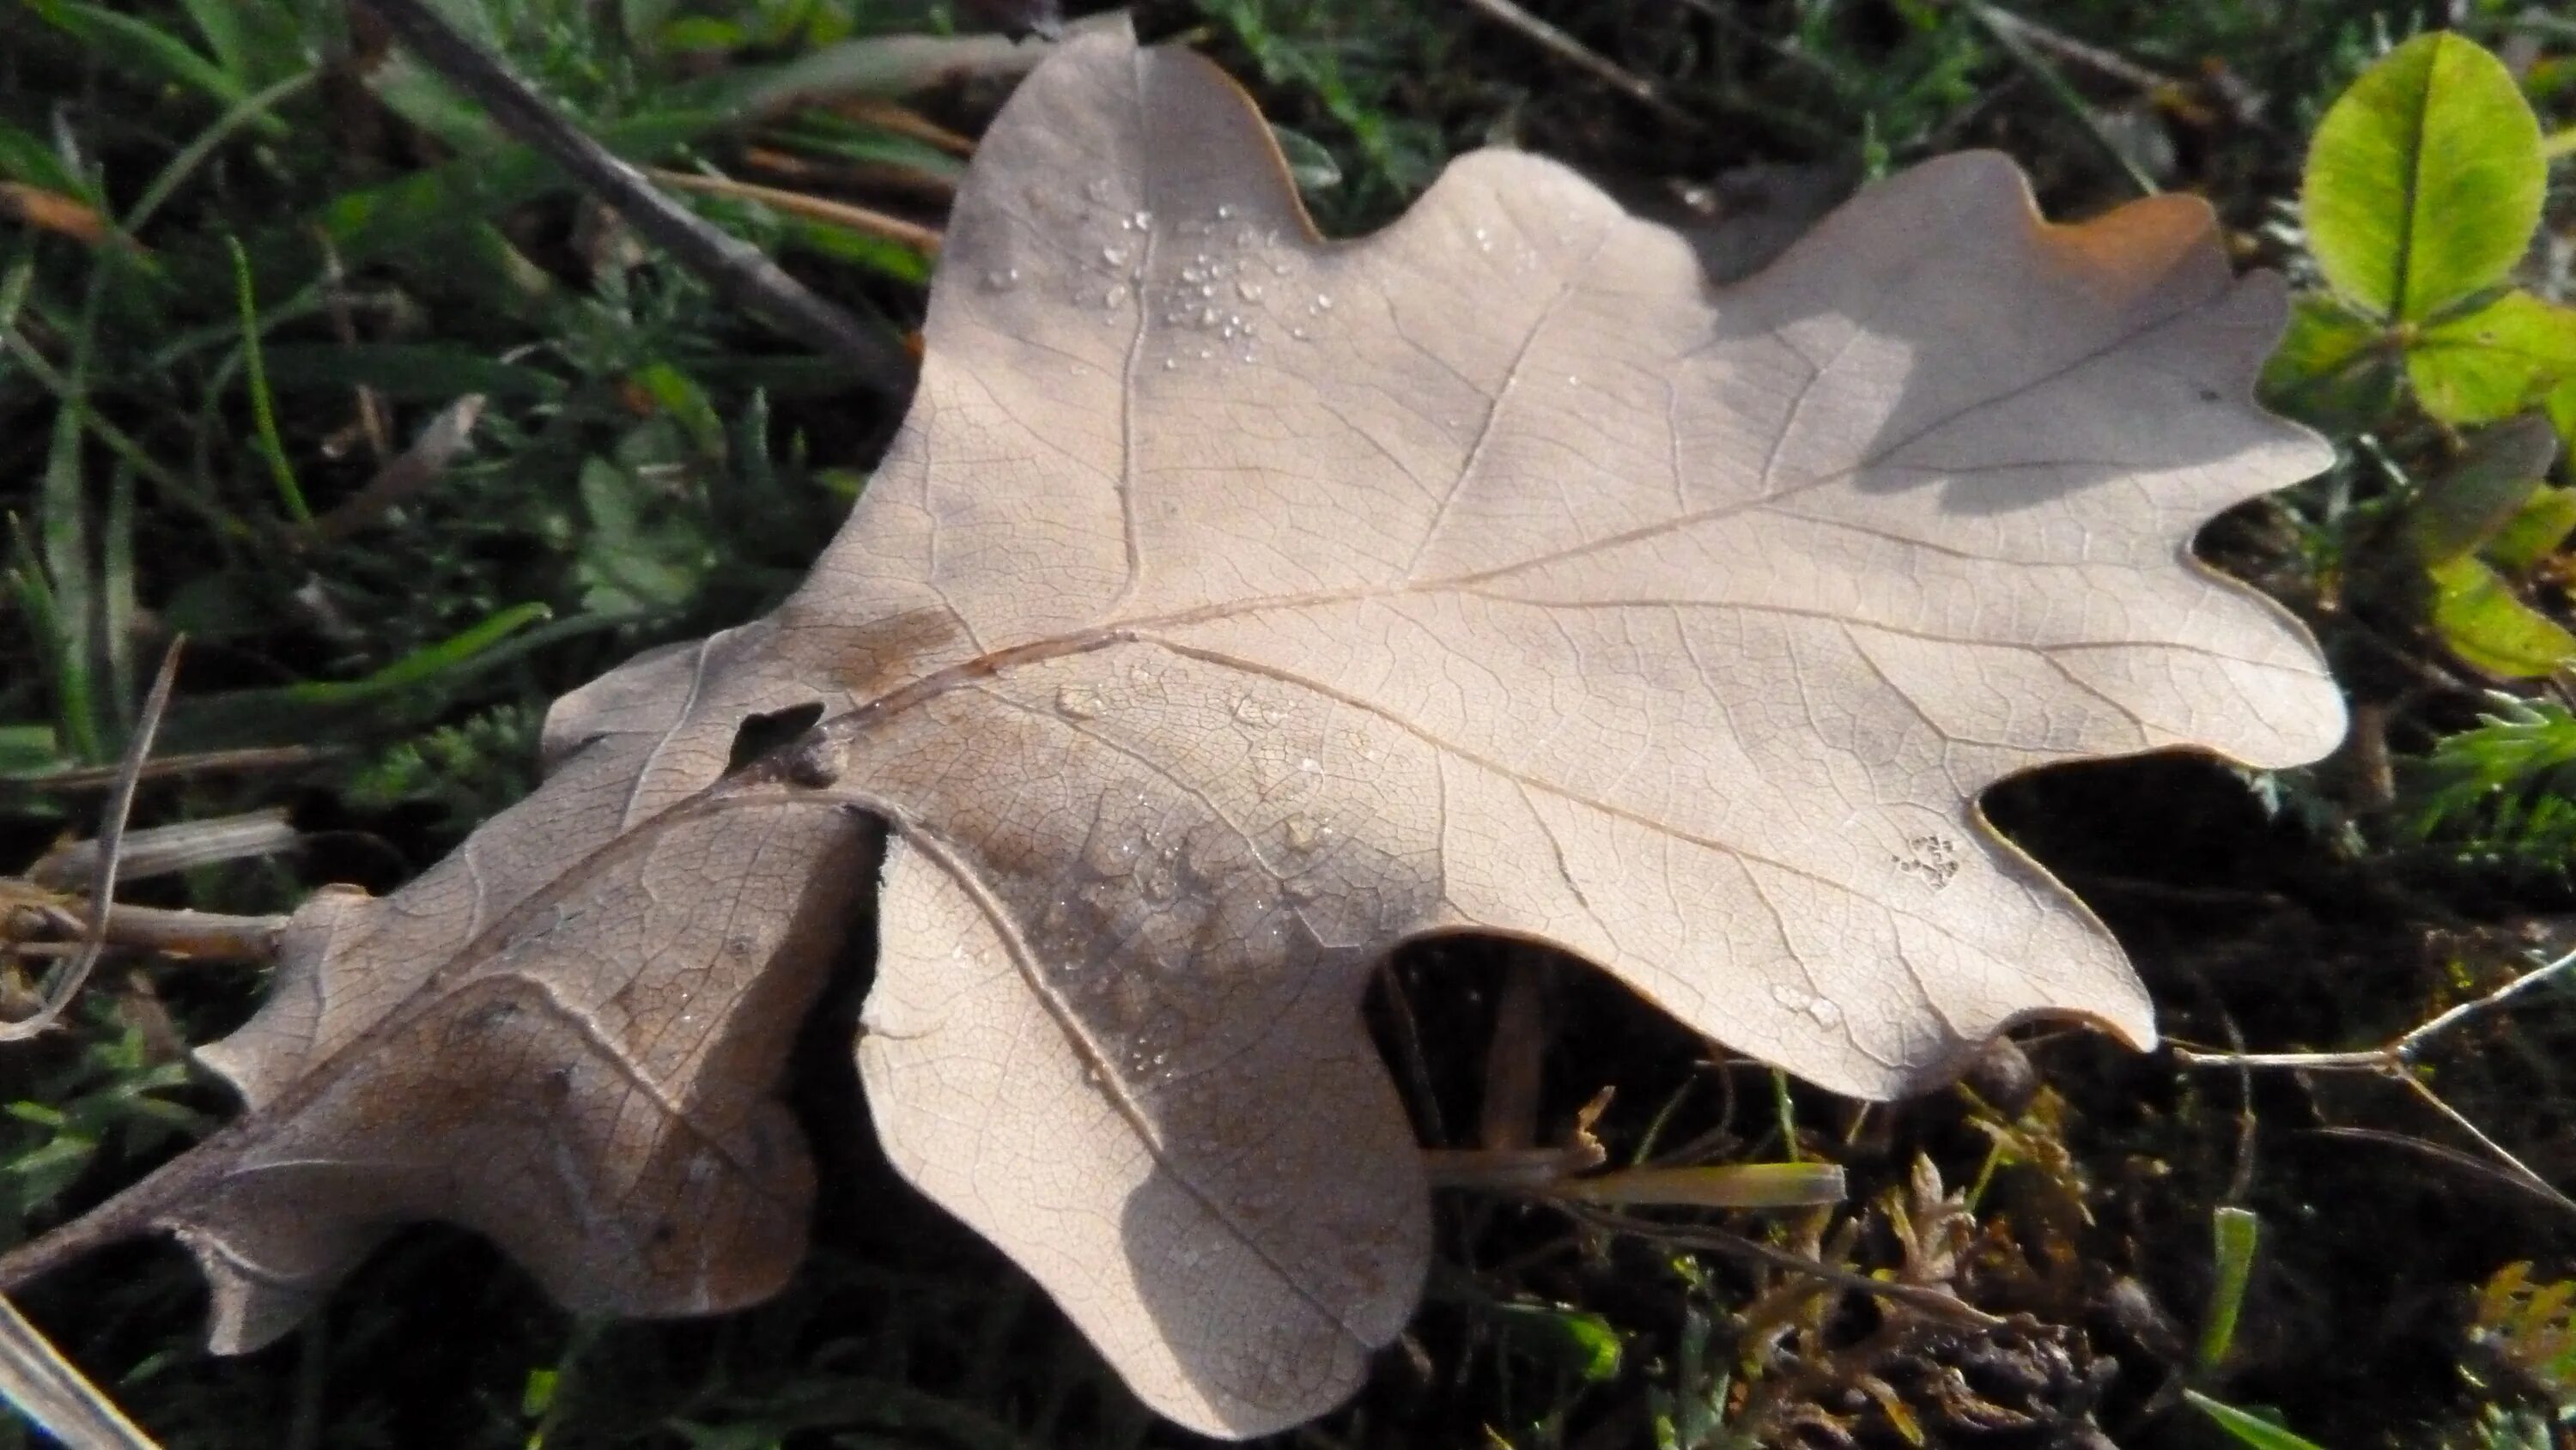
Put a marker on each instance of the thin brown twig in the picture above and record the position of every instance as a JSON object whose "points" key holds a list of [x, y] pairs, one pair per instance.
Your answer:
{"points": [[2517, 1167], [2395, 1059], [2016, 42], [2066, 47], [1930, 1301], [865, 220], [903, 120], [2392, 1057], [2407, 1045], [204, 762], [733, 267], [166, 850], [111, 834], [873, 177], [2468, 1163], [1584, 58], [203, 936], [335, 295], [423, 462]]}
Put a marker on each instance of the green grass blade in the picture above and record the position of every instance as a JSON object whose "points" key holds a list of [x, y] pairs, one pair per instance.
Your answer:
{"points": [[27, 749], [220, 22], [407, 213], [63, 548], [1732, 1185], [65, 570], [248, 111], [2248, 1429], [15, 284], [263, 408], [2233, 1232], [25, 159], [149, 53], [427, 372], [423, 665]]}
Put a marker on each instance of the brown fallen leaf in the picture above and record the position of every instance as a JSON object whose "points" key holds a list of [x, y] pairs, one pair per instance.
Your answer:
{"points": [[1236, 605]]}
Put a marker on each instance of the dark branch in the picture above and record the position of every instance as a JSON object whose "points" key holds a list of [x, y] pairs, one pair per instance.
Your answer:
{"points": [[66, 983], [733, 267]]}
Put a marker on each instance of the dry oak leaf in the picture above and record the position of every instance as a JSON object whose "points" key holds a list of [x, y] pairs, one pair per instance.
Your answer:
{"points": [[1236, 605]]}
